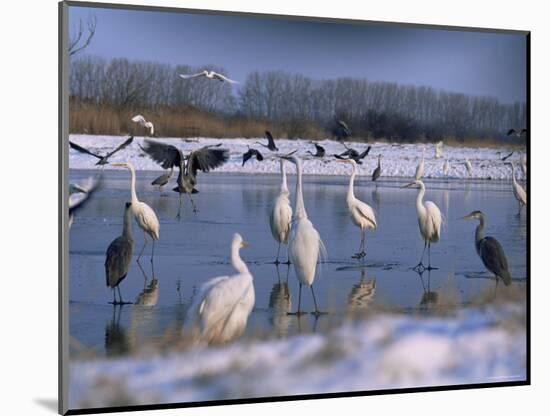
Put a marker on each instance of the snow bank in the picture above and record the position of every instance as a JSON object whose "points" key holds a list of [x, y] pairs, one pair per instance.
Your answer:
{"points": [[478, 346], [397, 160]]}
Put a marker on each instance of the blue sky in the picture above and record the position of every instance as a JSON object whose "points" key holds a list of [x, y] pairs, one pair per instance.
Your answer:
{"points": [[468, 62]]}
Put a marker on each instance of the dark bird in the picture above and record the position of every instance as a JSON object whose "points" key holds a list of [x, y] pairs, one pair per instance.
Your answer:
{"points": [[506, 157], [270, 142], [163, 179], [377, 171], [519, 134], [169, 156], [252, 153], [490, 251], [353, 154], [119, 256], [319, 151], [342, 131], [103, 160]]}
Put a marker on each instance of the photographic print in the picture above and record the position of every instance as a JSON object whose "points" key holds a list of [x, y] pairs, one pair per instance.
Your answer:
{"points": [[267, 207]]}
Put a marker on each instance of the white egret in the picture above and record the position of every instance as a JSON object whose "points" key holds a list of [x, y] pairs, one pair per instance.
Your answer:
{"points": [[144, 123], [420, 168], [468, 166], [446, 168], [429, 222], [490, 251], [143, 213], [378, 171], [518, 190], [119, 256], [281, 214], [304, 244], [362, 215], [439, 150], [221, 309], [103, 160], [523, 164], [210, 75]]}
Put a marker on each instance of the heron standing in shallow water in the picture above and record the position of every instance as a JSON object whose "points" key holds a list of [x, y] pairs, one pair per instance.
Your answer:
{"points": [[281, 214], [119, 256], [163, 179], [304, 244], [429, 222], [490, 251]]}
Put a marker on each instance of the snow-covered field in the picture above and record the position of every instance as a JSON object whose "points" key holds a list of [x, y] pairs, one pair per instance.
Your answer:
{"points": [[476, 346], [397, 160]]}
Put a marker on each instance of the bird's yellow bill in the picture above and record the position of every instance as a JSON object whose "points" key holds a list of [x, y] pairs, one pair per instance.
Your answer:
{"points": [[122, 165], [245, 244]]}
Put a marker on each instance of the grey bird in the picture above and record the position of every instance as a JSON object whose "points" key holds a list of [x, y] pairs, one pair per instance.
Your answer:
{"points": [[319, 151], [353, 154], [270, 142], [119, 256], [103, 160], [163, 179], [342, 131], [378, 171], [169, 156], [252, 153], [490, 251], [519, 134]]}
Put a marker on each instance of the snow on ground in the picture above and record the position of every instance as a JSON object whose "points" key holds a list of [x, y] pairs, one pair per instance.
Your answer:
{"points": [[397, 160], [476, 346]]}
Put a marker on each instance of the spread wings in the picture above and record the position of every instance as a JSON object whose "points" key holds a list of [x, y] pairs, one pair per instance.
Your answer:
{"points": [[206, 159], [165, 155], [83, 150]]}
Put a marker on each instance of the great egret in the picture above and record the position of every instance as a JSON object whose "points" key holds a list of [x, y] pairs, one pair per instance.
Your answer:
{"points": [[169, 156], [378, 171], [270, 142], [119, 256], [420, 168], [144, 123], [103, 160], [490, 251], [281, 214], [518, 134], [252, 153], [468, 166], [143, 213], [439, 150], [163, 179], [362, 215], [304, 243], [361, 295], [518, 190], [523, 164], [319, 151], [446, 168], [210, 75], [429, 222], [221, 309]]}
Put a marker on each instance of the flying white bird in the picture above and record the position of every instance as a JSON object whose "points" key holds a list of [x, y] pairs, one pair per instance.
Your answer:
{"points": [[420, 168], [144, 123], [209, 75], [362, 215], [518, 190], [429, 221], [281, 214], [439, 150], [221, 309]]}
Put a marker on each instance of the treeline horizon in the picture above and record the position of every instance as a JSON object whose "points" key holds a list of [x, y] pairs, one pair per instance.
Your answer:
{"points": [[106, 93]]}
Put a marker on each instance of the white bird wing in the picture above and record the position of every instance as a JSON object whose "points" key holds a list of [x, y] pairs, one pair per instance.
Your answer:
{"points": [[189, 76], [520, 193], [150, 125], [139, 119], [223, 78], [435, 218], [364, 210], [148, 219]]}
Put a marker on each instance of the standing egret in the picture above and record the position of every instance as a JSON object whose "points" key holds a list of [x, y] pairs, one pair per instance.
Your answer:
{"points": [[270, 142], [209, 75], [490, 251], [304, 244], [221, 309], [361, 213], [119, 256], [446, 168], [439, 150], [143, 213], [518, 190], [523, 164], [468, 166], [281, 214], [103, 160], [378, 171], [420, 168], [429, 222], [139, 119]]}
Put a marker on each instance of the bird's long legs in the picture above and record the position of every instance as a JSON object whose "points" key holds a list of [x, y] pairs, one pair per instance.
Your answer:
{"points": [[298, 313], [420, 265], [317, 312], [120, 297], [429, 258], [152, 257], [144, 245], [193, 203], [361, 252], [287, 256], [178, 216], [278, 251]]}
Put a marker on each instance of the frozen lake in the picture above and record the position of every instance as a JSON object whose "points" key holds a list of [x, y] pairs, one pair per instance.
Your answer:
{"points": [[196, 248]]}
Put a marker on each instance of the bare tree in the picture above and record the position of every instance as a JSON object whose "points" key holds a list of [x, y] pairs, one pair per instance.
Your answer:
{"points": [[81, 40]]}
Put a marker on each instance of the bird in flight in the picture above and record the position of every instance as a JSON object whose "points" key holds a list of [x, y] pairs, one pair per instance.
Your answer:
{"points": [[144, 123], [252, 153], [353, 154], [319, 151], [270, 142], [519, 134], [210, 75], [103, 160]]}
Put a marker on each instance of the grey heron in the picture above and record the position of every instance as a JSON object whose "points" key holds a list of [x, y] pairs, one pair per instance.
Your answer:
{"points": [[103, 160], [319, 151], [250, 153], [163, 179], [270, 142], [378, 171]]}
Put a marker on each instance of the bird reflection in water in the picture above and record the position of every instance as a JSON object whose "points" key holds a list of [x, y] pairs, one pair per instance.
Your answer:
{"points": [[280, 304], [149, 296], [429, 298], [376, 197], [361, 295], [116, 339]]}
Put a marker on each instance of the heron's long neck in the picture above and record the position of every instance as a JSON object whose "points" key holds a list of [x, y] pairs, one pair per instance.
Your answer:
{"points": [[514, 174], [133, 186], [284, 186], [236, 260], [127, 227], [351, 181], [378, 160], [479, 232], [300, 210], [419, 199]]}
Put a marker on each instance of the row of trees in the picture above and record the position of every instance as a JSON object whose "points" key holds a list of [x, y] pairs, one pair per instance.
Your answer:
{"points": [[371, 109]]}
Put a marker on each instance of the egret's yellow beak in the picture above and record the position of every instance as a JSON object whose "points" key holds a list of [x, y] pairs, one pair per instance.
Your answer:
{"points": [[122, 165], [245, 244]]}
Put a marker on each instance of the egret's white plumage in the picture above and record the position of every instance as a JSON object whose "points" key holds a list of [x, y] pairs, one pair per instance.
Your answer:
{"points": [[362, 215], [221, 309], [446, 168], [518, 190], [304, 244], [144, 123], [523, 164], [420, 168], [143, 213], [468, 165], [439, 150], [429, 219], [280, 216], [209, 75]]}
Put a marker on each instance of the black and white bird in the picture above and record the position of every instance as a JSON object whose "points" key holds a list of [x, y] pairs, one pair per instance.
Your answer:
{"points": [[169, 156], [270, 142], [210, 75], [103, 160], [144, 123], [250, 153], [319, 151]]}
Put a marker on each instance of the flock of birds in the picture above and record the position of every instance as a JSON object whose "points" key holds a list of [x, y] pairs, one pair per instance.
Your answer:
{"points": [[221, 309]]}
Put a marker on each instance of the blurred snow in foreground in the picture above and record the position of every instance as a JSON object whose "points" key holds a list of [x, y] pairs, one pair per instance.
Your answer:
{"points": [[475, 346], [398, 160]]}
